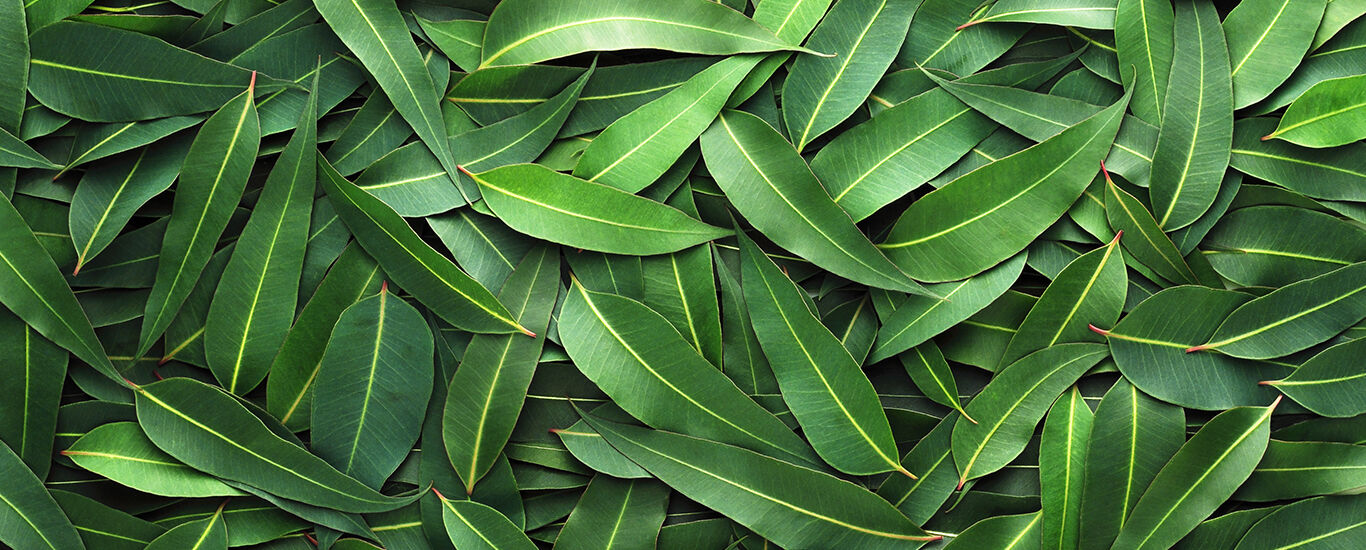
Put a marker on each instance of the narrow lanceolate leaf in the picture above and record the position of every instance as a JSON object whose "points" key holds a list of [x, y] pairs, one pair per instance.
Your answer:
{"points": [[930, 372], [1293, 317], [108, 195], [822, 384], [879, 161], [1273, 246], [920, 498], [255, 300], [560, 208], [1298, 469], [1149, 346], [210, 533], [1327, 115], [1091, 14], [101, 88], [1011, 406], [289, 390], [211, 183], [14, 61], [121, 452], [1005, 532], [954, 232], [1090, 290], [639, 147], [680, 287], [487, 391], [375, 32], [372, 388], [772, 187], [97, 141], [33, 288], [101, 526], [409, 261], [1146, 242], [211, 431], [1224, 531], [1132, 437], [1267, 39], [17, 154], [1336, 173], [521, 32], [29, 518], [36, 368], [1328, 383], [1207, 469], [790, 505], [1324, 522], [615, 514], [820, 92], [1062, 458], [1143, 39], [790, 20], [646, 367], [1197, 130], [921, 318], [472, 525]]}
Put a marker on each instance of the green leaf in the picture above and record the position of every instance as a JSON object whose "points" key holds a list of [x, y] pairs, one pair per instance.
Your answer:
{"points": [[1149, 346], [1336, 173], [1301, 469], [1132, 437], [1091, 289], [1146, 243], [472, 525], [638, 148], [255, 299], [820, 92], [526, 31], [1010, 407], [648, 369], [877, 162], [930, 372], [919, 499], [680, 287], [210, 431], [1328, 383], [614, 514], [822, 384], [101, 140], [14, 60], [28, 404], [1193, 143], [919, 318], [1005, 532], [1327, 115], [488, 390], [934, 39], [32, 288], [1062, 455], [123, 86], [211, 183], [103, 527], [953, 232], [372, 388], [29, 518], [1207, 469], [772, 187], [121, 452], [289, 390], [790, 505], [1322, 522], [459, 39], [1224, 531], [540, 202], [108, 196], [375, 32], [1266, 41], [1293, 317], [204, 534], [428, 276], [17, 154], [1274, 246], [1090, 14], [790, 20], [1143, 39]]}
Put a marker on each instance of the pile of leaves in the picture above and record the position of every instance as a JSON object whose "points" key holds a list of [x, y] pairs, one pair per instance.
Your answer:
{"points": [[682, 274]]}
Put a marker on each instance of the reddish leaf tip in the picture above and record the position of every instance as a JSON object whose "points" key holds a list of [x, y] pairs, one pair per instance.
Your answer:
{"points": [[438, 493], [157, 374], [1268, 136], [1276, 402], [961, 481], [463, 170], [252, 86], [1098, 330], [965, 25], [1118, 234], [384, 287], [64, 453], [164, 360], [131, 384], [1201, 347], [527, 332], [1268, 382]]}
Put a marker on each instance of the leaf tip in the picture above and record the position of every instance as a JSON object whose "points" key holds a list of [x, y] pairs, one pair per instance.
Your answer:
{"points": [[384, 287], [1201, 347], [1269, 136], [1098, 330], [961, 481], [964, 412], [905, 472], [1272, 383], [965, 25], [464, 170], [1272, 407], [251, 87], [438, 493], [131, 384], [1118, 234]]}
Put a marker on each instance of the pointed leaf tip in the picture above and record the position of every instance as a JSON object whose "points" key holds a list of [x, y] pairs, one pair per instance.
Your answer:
{"points": [[1201, 347], [905, 472], [1118, 234], [438, 493], [251, 87], [1097, 329], [384, 287]]}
